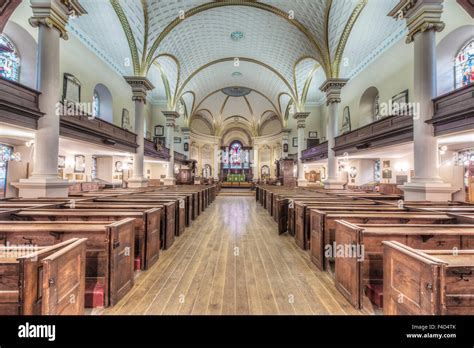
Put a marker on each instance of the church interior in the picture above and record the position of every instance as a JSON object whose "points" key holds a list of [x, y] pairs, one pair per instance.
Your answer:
{"points": [[234, 157]]}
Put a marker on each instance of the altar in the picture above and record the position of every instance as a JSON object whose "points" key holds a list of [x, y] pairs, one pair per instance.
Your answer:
{"points": [[236, 177]]}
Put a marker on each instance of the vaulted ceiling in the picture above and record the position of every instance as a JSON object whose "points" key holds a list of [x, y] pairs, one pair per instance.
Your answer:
{"points": [[280, 50]]}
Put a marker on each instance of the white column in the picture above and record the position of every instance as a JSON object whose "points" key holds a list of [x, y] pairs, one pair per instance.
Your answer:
{"points": [[140, 87], [423, 21], [300, 118], [256, 167], [332, 88], [216, 162], [51, 18], [171, 117]]}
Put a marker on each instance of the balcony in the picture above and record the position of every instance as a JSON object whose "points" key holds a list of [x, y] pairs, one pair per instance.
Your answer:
{"points": [[19, 105], [315, 153], [453, 111], [82, 127], [392, 130], [157, 151]]}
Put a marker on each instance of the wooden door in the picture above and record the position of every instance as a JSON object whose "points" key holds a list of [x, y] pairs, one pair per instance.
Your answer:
{"points": [[411, 282], [152, 237], [64, 274], [317, 239], [122, 249], [348, 267]]}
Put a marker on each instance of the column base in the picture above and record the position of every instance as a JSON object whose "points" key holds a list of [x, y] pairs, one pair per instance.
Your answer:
{"points": [[427, 191], [42, 187], [302, 182], [169, 181], [137, 182], [332, 184]]}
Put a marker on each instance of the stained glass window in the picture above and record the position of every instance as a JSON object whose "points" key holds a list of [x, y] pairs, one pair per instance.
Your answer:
{"points": [[235, 159], [95, 105], [9, 60], [464, 65]]}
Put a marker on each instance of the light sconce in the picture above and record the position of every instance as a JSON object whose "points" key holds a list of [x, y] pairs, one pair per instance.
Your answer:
{"points": [[30, 143]]}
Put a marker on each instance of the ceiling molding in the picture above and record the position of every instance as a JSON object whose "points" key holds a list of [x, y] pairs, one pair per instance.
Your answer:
{"points": [[172, 96], [335, 68], [129, 35], [243, 59], [253, 90]]}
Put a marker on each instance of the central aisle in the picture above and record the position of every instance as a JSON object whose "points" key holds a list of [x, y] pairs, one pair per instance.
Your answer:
{"points": [[232, 261]]}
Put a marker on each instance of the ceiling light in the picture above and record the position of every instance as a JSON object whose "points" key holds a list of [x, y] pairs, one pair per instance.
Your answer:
{"points": [[237, 35]]}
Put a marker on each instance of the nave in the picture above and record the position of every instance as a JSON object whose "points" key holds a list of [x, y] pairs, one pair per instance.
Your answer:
{"points": [[232, 261]]}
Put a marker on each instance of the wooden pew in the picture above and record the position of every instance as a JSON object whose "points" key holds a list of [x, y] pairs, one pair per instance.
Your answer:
{"points": [[430, 282], [109, 250], [299, 217], [147, 226], [185, 204], [167, 204], [168, 215], [43, 280], [353, 274], [324, 224], [284, 211], [302, 203]]}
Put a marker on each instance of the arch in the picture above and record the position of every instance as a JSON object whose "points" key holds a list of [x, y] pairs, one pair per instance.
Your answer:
{"points": [[446, 52], [26, 47], [243, 59], [265, 7], [367, 106], [105, 107]]}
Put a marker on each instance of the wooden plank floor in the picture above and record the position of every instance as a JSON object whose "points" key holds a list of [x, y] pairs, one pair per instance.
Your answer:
{"points": [[232, 261]]}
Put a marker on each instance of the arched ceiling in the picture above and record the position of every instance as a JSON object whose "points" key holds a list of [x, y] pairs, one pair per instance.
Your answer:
{"points": [[288, 48]]}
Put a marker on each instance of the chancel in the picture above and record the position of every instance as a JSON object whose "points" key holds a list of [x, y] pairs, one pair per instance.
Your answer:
{"points": [[222, 157]]}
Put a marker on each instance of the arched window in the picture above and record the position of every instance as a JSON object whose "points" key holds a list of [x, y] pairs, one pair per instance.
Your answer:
{"points": [[9, 60], [95, 104], [464, 65]]}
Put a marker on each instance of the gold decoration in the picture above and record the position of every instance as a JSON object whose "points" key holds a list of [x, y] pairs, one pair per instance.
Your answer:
{"points": [[345, 37], [55, 14]]}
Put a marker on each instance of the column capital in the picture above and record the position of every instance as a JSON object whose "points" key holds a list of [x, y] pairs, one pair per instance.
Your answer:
{"points": [[171, 117], [140, 86], [332, 88], [55, 14], [300, 118], [420, 15]]}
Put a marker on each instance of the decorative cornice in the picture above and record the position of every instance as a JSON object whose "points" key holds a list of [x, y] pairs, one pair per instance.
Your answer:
{"points": [[140, 86], [332, 88], [300, 118], [55, 14], [420, 15], [171, 117]]}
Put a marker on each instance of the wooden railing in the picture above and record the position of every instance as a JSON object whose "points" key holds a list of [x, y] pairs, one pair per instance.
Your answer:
{"points": [[385, 132], [83, 127], [156, 150], [315, 153], [19, 104], [454, 111]]}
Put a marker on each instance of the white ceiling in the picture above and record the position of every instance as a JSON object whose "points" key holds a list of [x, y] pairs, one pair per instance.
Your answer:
{"points": [[277, 54]]}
